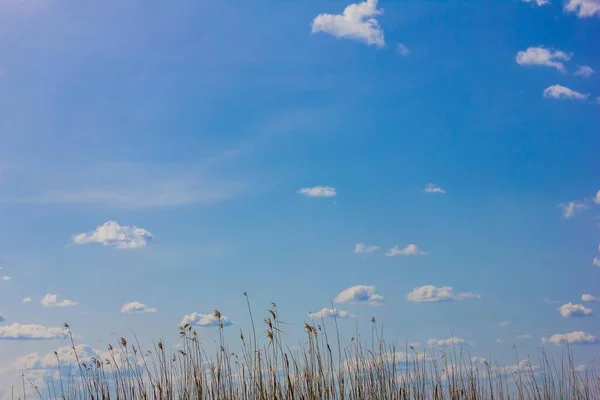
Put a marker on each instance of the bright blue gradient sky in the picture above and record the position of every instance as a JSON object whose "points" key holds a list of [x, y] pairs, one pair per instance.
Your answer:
{"points": [[200, 121]]}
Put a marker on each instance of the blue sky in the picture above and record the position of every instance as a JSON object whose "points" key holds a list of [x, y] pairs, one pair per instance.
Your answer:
{"points": [[200, 122]]}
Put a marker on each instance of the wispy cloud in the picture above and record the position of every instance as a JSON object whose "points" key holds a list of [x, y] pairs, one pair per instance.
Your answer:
{"points": [[577, 337], [135, 307], [432, 188], [524, 336], [570, 310], [27, 300], [318, 191], [583, 8], [564, 93], [112, 234], [433, 294], [402, 49], [51, 300], [18, 331], [327, 313], [584, 70], [358, 21], [572, 208], [205, 320], [504, 324], [453, 341], [363, 248], [589, 298], [538, 2], [410, 250], [541, 56], [359, 294]]}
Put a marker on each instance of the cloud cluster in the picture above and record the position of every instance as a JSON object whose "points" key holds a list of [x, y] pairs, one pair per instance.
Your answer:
{"points": [[433, 294], [359, 294], [112, 234], [205, 320], [410, 250], [18, 331], [327, 313], [541, 56], [583, 8], [358, 21], [135, 307], [570, 310], [363, 248], [51, 300], [564, 93], [318, 191], [577, 337], [538, 2]]}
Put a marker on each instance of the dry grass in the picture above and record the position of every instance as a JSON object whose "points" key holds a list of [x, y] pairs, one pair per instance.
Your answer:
{"points": [[321, 369]]}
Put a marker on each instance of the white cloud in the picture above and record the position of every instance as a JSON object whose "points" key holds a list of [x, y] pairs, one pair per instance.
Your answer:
{"points": [[362, 248], [597, 197], [523, 336], [499, 341], [584, 70], [359, 294], [205, 320], [432, 188], [596, 262], [51, 300], [135, 307], [573, 208], [4, 278], [543, 57], [358, 22], [538, 2], [318, 191], [562, 92], [574, 310], [112, 234], [410, 250], [578, 337], [326, 313], [590, 298], [583, 8], [26, 300], [402, 49], [18, 331], [504, 324], [432, 294], [453, 341]]}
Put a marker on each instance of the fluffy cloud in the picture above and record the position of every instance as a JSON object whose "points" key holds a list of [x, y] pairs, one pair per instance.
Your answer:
{"points": [[51, 300], [326, 313], [112, 234], [562, 92], [543, 57], [431, 188], [574, 310], [362, 248], [596, 262], [538, 2], [583, 8], [578, 337], [358, 21], [318, 191], [432, 294], [410, 250], [573, 208], [205, 320], [359, 294], [18, 331], [453, 341], [584, 70], [402, 49], [590, 298], [26, 300], [135, 307]]}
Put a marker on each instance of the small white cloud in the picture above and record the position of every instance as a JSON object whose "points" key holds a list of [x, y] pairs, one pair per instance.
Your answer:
{"points": [[590, 298], [504, 324], [523, 337], [18, 331], [362, 248], [410, 250], [570, 310], [318, 191], [433, 294], [572, 208], [359, 294], [432, 188], [205, 320], [597, 197], [26, 300], [135, 307], [584, 70], [358, 21], [51, 300], [538, 2], [453, 341], [4, 278], [112, 234], [583, 8], [402, 49], [578, 337], [596, 262], [563, 93], [541, 56], [499, 341], [326, 313]]}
